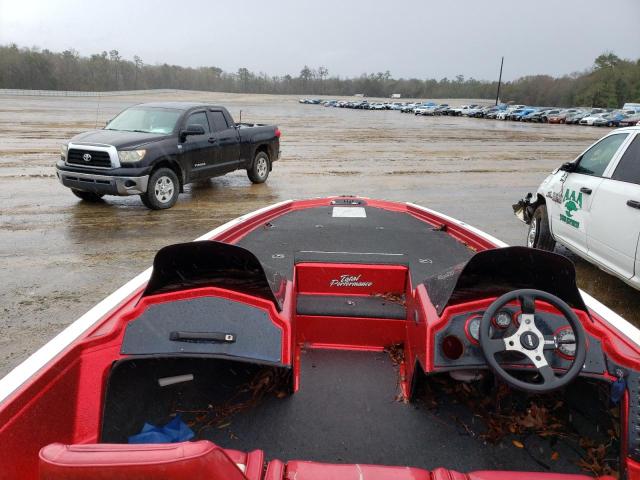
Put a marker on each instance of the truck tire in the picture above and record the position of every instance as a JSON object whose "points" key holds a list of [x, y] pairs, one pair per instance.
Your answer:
{"points": [[87, 196], [259, 170], [539, 234], [162, 191]]}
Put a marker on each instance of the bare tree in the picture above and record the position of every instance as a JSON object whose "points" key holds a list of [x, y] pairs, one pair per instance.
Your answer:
{"points": [[323, 73], [305, 75], [114, 56], [138, 64]]}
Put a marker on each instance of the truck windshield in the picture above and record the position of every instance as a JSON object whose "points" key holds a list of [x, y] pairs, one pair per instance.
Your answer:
{"points": [[146, 119]]}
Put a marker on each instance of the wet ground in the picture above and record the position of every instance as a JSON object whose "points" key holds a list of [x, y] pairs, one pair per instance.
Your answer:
{"points": [[60, 256]]}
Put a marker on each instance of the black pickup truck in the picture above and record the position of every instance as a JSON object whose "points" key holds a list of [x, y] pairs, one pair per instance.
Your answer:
{"points": [[155, 149]]}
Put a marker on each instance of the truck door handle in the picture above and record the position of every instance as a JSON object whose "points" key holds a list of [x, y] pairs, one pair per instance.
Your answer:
{"points": [[633, 204], [212, 140], [586, 190]]}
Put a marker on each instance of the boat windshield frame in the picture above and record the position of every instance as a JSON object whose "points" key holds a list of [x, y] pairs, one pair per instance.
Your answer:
{"points": [[497, 271]]}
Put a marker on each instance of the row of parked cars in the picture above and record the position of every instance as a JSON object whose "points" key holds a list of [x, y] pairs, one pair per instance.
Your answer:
{"points": [[598, 117]]}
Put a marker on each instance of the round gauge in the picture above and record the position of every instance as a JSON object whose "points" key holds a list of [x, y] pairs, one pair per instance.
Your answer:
{"points": [[472, 329], [502, 319], [516, 318], [566, 342]]}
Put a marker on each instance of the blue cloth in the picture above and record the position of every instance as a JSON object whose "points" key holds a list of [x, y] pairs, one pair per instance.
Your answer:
{"points": [[174, 431], [617, 390]]}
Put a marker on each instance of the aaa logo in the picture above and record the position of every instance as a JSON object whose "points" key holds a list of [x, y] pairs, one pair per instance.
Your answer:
{"points": [[572, 203]]}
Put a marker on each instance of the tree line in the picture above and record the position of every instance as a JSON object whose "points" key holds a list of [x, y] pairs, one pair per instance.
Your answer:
{"points": [[610, 82]]}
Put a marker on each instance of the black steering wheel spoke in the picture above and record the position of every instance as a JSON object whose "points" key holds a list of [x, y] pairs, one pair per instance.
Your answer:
{"points": [[529, 341], [527, 304], [548, 375]]}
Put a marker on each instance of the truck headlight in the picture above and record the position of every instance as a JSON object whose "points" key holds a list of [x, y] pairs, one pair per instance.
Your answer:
{"points": [[131, 156], [64, 148]]}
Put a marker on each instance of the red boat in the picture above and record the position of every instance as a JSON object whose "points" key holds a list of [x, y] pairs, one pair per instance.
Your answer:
{"points": [[338, 338]]}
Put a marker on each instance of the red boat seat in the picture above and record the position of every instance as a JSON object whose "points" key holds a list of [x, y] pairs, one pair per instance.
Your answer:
{"points": [[299, 470], [275, 470], [444, 474], [200, 460]]}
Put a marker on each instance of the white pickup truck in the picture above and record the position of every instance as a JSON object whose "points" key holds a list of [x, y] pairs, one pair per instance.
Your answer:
{"points": [[592, 206]]}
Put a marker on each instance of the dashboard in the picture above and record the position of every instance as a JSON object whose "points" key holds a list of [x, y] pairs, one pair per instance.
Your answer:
{"points": [[457, 344]]}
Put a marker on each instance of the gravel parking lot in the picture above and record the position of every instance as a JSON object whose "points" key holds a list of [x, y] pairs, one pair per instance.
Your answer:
{"points": [[60, 256]]}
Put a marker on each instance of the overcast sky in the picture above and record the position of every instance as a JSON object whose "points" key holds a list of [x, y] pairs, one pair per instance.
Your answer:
{"points": [[410, 38]]}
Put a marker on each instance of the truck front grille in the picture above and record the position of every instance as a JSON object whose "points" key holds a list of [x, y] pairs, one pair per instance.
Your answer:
{"points": [[89, 158]]}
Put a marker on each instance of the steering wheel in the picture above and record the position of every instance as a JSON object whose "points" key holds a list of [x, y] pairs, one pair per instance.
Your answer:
{"points": [[529, 341]]}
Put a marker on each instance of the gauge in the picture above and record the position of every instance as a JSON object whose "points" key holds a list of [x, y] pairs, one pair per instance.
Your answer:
{"points": [[566, 341], [502, 319], [472, 329]]}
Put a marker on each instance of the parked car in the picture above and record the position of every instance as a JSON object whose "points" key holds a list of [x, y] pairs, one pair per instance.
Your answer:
{"points": [[493, 112], [541, 116], [610, 119], [481, 112], [408, 108], [154, 149], [447, 111], [440, 108], [631, 120], [592, 206], [515, 114], [473, 111], [590, 119], [575, 118], [527, 116], [561, 116], [462, 110], [425, 109], [504, 115], [614, 118], [522, 113]]}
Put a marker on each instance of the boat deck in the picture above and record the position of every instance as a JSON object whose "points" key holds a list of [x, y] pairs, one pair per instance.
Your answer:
{"points": [[320, 234], [346, 412]]}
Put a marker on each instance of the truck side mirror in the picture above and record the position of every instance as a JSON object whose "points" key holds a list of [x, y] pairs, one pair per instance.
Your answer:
{"points": [[568, 167], [193, 129]]}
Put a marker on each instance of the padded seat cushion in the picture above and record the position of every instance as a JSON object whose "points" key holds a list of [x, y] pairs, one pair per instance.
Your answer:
{"points": [[444, 474], [298, 470], [200, 460]]}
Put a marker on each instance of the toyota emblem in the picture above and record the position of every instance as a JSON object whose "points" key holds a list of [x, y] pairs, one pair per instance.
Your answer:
{"points": [[86, 157]]}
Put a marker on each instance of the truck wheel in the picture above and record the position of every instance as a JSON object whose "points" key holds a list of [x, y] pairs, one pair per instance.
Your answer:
{"points": [[162, 191], [87, 196], [259, 172], [539, 235]]}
